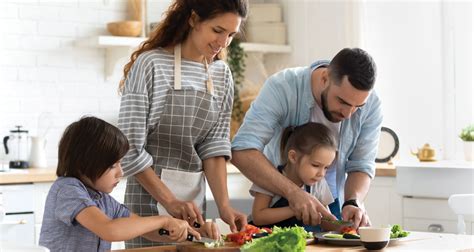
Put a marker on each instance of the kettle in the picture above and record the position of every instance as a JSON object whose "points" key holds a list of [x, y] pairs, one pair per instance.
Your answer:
{"points": [[425, 154], [16, 147]]}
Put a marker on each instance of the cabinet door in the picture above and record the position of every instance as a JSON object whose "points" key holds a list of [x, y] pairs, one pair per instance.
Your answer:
{"points": [[18, 228], [41, 192], [18, 198], [383, 204]]}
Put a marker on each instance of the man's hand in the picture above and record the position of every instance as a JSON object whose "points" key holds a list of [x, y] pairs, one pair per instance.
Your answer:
{"points": [[307, 208], [234, 218], [185, 210], [357, 215]]}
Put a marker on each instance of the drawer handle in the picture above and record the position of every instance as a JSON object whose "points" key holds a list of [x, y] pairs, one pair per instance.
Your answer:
{"points": [[435, 228], [20, 222]]}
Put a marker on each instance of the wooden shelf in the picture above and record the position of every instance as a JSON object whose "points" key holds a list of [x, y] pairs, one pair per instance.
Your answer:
{"points": [[118, 49]]}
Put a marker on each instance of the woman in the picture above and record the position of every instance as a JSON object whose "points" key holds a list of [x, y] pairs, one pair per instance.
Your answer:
{"points": [[177, 96]]}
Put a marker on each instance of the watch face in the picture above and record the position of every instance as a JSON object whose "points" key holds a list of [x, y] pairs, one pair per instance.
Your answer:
{"points": [[388, 145]]}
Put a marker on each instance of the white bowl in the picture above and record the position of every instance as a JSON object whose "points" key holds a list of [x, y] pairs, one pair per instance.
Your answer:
{"points": [[374, 238]]}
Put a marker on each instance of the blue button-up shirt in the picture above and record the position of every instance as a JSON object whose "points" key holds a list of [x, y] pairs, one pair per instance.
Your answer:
{"points": [[286, 100], [67, 197]]}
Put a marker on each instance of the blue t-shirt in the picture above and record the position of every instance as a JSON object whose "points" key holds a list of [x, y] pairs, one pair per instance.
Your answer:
{"points": [[66, 198]]}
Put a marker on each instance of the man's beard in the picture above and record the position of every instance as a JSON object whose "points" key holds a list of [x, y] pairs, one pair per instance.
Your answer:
{"points": [[325, 107]]}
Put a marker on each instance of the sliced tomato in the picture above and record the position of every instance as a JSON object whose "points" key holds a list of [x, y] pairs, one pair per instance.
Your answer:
{"points": [[348, 230]]}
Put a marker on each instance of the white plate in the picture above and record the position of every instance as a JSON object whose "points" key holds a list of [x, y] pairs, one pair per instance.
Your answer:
{"points": [[344, 242]]}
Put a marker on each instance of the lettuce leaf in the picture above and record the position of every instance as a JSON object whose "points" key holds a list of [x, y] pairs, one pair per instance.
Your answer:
{"points": [[281, 239]]}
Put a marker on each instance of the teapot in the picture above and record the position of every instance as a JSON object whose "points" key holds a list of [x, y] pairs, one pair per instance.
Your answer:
{"points": [[425, 154]]}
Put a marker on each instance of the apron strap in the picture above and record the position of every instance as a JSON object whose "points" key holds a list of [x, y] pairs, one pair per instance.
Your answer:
{"points": [[177, 67]]}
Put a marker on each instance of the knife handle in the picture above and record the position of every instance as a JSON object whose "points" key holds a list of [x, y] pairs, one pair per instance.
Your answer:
{"points": [[163, 231], [190, 237]]}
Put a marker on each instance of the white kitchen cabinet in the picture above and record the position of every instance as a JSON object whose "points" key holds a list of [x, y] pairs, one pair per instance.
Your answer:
{"points": [[41, 192], [431, 215], [382, 203], [19, 222]]}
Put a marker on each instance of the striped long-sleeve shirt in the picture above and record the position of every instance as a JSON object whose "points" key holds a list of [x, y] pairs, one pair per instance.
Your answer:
{"points": [[146, 89]]}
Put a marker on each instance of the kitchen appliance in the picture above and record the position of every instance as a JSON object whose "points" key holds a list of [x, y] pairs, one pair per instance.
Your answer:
{"points": [[16, 147]]}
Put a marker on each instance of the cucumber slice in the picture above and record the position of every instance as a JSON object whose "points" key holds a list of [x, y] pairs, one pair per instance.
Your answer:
{"points": [[333, 236], [350, 236]]}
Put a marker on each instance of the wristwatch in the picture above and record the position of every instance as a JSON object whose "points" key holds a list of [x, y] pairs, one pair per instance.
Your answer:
{"points": [[351, 202]]}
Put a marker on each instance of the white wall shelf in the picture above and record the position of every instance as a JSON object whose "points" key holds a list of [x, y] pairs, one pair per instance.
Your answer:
{"points": [[118, 49]]}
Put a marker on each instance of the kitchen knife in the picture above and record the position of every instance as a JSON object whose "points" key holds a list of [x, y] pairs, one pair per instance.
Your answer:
{"points": [[190, 237], [340, 223]]}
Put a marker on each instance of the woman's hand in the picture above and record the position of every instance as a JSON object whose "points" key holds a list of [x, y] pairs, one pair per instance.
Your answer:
{"points": [[178, 229], [185, 210], [234, 218], [210, 230]]}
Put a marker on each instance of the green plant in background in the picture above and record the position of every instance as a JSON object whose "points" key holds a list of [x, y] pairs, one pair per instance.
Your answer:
{"points": [[467, 134], [236, 60]]}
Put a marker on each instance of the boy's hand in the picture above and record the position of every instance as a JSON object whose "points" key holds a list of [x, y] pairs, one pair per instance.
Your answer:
{"points": [[179, 229], [210, 230]]}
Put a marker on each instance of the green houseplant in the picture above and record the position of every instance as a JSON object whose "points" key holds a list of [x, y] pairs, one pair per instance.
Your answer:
{"points": [[467, 135], [236, 60]]}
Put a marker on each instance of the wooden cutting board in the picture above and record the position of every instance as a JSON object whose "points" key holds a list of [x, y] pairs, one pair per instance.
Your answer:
{"points": [[199, 247]]}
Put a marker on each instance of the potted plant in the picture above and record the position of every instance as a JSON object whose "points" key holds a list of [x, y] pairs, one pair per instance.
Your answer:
{"points": [[467, 135], [236, 60]]}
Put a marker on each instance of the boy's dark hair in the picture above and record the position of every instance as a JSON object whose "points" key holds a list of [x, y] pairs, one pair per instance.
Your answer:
{"points": [[305, 138], [357, 65], [89, 147]]}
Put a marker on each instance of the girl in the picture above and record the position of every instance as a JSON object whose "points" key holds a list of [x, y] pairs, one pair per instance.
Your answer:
{"points": [[306, 152], [177, 96], [79, 214]]}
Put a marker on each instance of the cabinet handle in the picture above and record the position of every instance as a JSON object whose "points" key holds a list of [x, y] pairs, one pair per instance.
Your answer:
{"points": [[20, 222], [436, 228]]}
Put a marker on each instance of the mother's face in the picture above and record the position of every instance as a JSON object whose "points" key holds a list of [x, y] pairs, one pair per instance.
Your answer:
{"points": [[211, 36]]}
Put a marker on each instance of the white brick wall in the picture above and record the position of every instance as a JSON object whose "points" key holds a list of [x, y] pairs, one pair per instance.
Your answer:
{"points": [[42, 71]]}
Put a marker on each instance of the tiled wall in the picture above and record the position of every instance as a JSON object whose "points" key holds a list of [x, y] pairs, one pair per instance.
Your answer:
{"points": [[42, 71]]}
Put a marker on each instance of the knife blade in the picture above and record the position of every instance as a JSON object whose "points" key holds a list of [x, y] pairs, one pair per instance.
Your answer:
{"points": [[338, 222]]}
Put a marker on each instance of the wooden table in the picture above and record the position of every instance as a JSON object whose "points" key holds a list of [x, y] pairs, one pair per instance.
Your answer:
{"points": [[416, 241]]}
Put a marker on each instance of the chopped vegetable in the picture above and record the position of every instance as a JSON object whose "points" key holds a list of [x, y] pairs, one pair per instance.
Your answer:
{"points": [[332, 236], [246, 235], [281, 239], [348, 230], [398, 232], [350, 236], [215, 244]]}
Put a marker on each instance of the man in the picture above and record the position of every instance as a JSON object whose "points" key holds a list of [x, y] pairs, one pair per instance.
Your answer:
{"points": [[338, 94]]}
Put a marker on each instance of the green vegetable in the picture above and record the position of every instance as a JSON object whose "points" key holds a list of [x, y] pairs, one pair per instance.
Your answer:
{"points": [[333, 236], [281, 239], [398, 232]]}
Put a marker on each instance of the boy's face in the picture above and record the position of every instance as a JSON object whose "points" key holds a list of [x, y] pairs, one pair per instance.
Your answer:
{"points": [[109, 180], [312, 168]]}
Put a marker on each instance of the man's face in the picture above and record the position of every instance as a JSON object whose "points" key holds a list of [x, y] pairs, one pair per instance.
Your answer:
{"points": [[339, 102]]}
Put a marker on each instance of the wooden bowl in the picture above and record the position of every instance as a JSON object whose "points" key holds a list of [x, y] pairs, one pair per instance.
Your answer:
{"points": [[125, 28]]}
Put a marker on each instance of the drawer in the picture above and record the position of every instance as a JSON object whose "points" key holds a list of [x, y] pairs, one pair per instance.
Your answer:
{"points": [[18, 198], [433, 225], [426, 208], [18, 228]]}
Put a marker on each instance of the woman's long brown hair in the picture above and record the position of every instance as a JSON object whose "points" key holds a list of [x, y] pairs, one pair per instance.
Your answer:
{"points": [[175, 27]]}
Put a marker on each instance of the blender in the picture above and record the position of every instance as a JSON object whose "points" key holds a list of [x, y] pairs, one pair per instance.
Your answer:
{"points": [[16, 147]]}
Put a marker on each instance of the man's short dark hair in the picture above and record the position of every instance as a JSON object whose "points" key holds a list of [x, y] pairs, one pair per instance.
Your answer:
{"points": [[357, 65]]}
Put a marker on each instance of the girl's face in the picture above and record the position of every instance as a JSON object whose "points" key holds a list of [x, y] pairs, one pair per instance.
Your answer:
{"points": [[211, 36], [109, 179], [312, 168]]}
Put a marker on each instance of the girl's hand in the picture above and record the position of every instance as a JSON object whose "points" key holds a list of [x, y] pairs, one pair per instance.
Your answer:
{"points": [[210, 230], [179, 229], [185, 210], [234, 218]]}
